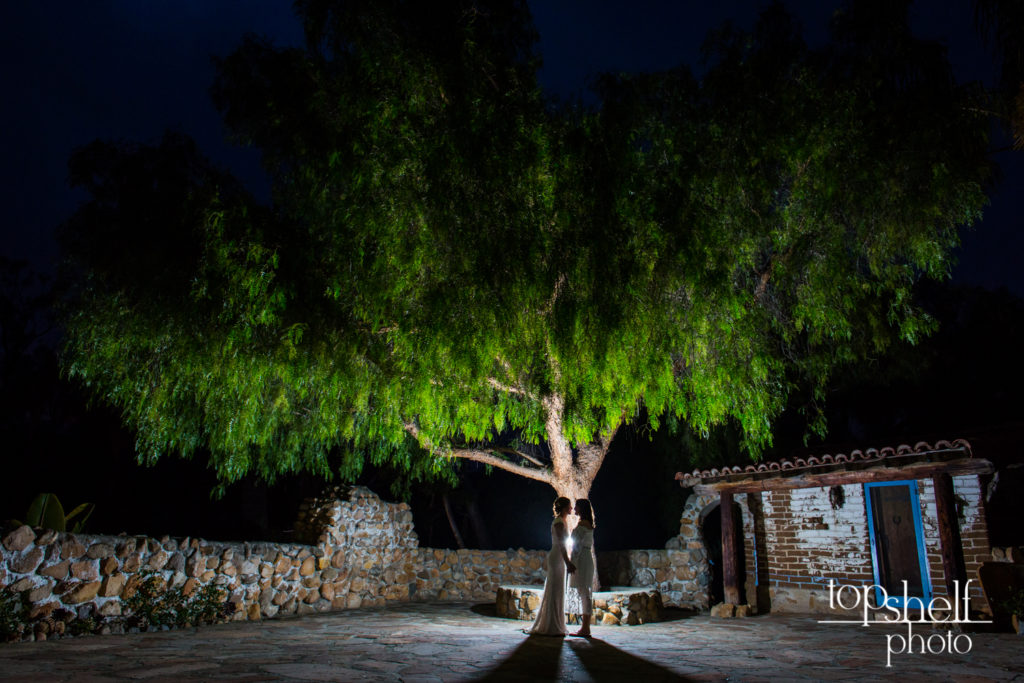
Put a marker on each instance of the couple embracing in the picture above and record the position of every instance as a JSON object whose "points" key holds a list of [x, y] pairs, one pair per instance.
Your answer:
{"points": [[579, 565]]}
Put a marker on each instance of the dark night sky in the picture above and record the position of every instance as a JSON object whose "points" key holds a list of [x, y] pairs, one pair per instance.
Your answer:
{"points": [[74, 71], [124, 69]]}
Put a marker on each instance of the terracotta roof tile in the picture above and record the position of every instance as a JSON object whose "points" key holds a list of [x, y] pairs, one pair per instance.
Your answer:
{"points": [[854, 457]]}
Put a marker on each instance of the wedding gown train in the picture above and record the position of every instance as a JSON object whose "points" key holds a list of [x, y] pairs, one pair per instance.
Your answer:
{"points": [[551, 616]]}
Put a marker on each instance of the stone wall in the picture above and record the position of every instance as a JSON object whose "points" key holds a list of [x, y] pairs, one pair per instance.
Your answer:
{"points": [[691, 539], [627, 607], [359, 551], [679, 575]]}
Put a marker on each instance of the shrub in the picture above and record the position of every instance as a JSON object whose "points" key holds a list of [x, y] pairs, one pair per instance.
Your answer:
{"points": [[1015, 603], [153, 604], [13, 612]]}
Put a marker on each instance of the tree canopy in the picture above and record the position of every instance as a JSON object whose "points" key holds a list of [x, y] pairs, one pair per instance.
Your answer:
{"points": [[454, 266]]}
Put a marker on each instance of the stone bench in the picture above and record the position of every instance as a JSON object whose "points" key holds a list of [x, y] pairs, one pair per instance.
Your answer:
{"points": [[616, 606]]}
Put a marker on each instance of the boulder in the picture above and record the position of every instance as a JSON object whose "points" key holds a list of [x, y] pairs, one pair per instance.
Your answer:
{"points": [[47, 537], [19, 539], [41, 592], [71, 549], [176, 562], [85, 570], [27, 562], [111, 608], [43, 611], [112, 585], [56, 571], [723, 610], [157, 560], [100, 551], [83, 592]]}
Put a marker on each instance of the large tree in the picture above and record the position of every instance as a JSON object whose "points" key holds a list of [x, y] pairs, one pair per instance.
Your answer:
{"points": [[454, 267]]}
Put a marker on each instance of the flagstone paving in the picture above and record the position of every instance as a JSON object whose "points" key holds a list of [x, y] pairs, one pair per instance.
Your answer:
{"points": [[464, 642]]}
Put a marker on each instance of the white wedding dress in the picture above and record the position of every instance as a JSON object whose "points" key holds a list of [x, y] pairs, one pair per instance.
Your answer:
{"points": [[551, 616], [581, 582]]}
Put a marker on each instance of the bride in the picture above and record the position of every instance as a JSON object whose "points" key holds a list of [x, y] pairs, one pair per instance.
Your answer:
{"points": [[551, 616], [581, 585]]}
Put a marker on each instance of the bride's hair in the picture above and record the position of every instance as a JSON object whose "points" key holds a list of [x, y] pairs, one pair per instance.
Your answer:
{"points": [[584, 510], [560, 504]]}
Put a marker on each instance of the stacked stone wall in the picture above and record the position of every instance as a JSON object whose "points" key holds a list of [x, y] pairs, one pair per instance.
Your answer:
{"points": [[475, 574], [691, 538], [680, 575], [364, 552]]}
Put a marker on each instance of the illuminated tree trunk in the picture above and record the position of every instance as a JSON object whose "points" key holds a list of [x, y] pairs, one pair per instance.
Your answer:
{"points": [[571, 471], [572, 474]]}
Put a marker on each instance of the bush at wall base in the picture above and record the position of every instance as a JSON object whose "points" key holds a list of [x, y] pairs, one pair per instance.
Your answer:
{"points": [[152, 604], [13, 613]]}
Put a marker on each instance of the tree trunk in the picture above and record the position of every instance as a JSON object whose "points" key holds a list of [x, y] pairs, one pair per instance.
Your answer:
{"points": [[451, 521], [572, 473]]}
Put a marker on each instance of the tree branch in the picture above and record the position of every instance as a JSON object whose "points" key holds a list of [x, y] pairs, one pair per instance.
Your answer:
{"points": [[561, 452], [507, 388], [540, 473], [592, 458], [522, 455], [515, 387]]}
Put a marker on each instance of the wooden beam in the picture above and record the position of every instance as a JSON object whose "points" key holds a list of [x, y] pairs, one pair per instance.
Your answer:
{"points": [[949, 534], [782, 480], [730, 575], [762, 601]]}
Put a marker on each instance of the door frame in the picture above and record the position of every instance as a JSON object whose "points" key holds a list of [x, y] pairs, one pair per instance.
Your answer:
{"points": [[914, 601]]}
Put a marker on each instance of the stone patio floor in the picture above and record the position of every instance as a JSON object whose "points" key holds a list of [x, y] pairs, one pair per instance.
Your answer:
{"points": [[462, 641]]}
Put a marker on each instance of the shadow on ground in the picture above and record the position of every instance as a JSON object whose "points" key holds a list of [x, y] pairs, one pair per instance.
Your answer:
{"points": [[605, 662], [488, 609], [485, 609], [678, 614], [552, 658]]}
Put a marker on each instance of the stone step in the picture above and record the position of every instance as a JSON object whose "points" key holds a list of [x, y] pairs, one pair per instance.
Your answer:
{"points": [[613, 606]]}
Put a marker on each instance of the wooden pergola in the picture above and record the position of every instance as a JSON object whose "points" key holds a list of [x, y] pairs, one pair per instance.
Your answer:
{"points": [[940, 463]]}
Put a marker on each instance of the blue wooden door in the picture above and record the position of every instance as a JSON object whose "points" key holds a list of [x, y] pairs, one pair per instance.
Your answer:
{"points": [[897, 544]]}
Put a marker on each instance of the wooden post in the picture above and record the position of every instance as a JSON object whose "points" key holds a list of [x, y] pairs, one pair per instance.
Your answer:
{"points": [[949, 534], [762, 602], [730, 577]]}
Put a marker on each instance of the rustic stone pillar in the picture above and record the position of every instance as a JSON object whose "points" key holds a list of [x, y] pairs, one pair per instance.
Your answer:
{"points": [[949, 533], [730, 575]]}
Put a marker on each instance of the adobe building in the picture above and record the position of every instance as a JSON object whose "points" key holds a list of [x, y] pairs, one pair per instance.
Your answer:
{"points": [[872, 518]]}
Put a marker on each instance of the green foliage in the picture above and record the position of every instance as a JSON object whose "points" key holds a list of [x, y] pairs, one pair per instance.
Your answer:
{"points": [[1015, 603], [46, 511], [84, 626], [448, 249], [13, 613], [153, 604]]}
